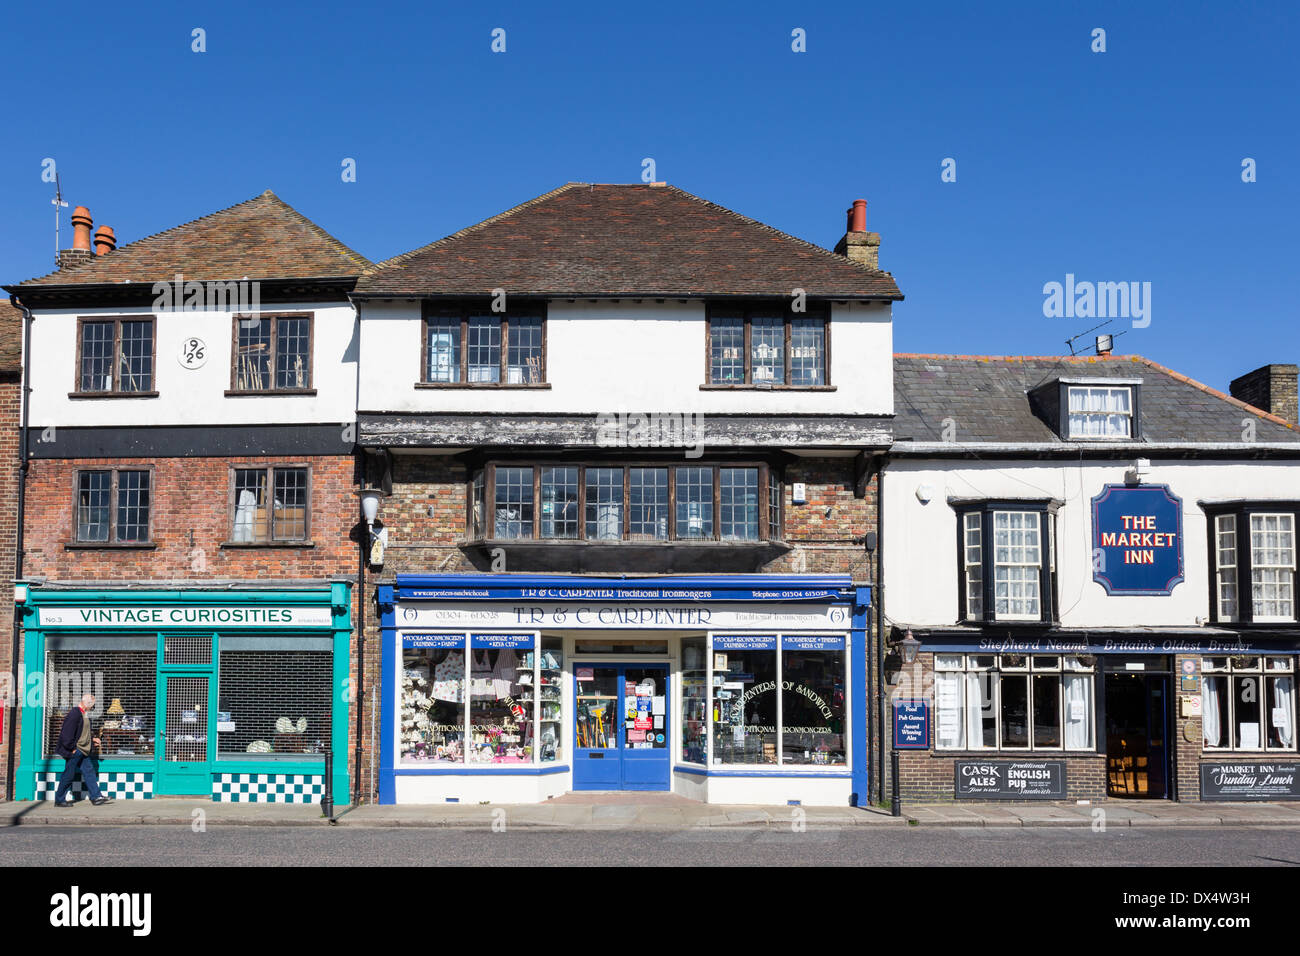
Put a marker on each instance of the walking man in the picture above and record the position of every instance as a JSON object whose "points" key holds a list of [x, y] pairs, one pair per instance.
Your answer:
{"points": [[77, 746]]}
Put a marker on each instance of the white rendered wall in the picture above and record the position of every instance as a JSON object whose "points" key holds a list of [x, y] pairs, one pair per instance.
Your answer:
{"points": [[919, 541], [486, 788], [624, 356], [194, 396]]}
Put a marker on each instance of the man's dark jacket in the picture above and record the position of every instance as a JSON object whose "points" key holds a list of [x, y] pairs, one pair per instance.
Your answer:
{"points": [[69, 733]]}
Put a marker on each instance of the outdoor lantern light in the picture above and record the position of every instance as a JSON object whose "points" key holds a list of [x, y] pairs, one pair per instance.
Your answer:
{"points": [[376, 540], [909, 646], [370, 504]]}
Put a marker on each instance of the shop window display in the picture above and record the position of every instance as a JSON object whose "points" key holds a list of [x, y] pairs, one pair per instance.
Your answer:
{"points": [[500, 719], [812, 701], [744, 695], [694, 701], [124, 682], [433, 704]]}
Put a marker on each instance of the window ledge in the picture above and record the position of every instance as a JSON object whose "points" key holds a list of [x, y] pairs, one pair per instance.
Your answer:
{"points": [[489, 385], [84, 395], [767, 388], [110, 546], [255, 392], [1016, 754], [267, 544], [1010, 622]]}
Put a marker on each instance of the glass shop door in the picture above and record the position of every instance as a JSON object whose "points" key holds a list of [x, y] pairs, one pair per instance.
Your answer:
{"points": [[621, 727], [184, 726]]}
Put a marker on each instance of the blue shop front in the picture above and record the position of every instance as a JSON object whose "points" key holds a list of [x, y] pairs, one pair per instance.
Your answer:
{"points": [[514, 688]]}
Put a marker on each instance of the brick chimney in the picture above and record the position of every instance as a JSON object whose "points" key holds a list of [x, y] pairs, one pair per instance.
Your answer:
{"points": [[1272, 388], [80, 251], [858, 244], [105, 241]]}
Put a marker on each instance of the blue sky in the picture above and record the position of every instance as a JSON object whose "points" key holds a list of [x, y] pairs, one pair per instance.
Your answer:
{"points": [[1115, 166]]}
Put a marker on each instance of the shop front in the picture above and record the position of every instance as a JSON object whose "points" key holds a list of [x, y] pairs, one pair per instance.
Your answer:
{"points": [[1142, 715], [232, 694], [517, 688]]}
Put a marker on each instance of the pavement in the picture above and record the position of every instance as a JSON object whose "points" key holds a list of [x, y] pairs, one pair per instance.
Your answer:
{"points": [[622, 811]]}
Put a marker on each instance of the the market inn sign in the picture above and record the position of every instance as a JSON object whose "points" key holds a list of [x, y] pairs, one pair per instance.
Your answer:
{"points": [[1137, 540]]}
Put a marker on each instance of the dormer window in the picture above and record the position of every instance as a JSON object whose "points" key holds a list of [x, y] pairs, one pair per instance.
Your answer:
{"points": [[1100, 411]]}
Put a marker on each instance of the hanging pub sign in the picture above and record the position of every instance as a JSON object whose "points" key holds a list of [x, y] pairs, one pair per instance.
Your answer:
{"points": [[911, 725], [1009, 779], [1250, 781], [1137, 540]]}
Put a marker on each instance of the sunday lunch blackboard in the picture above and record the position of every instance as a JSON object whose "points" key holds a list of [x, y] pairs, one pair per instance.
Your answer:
{"points": [[1009, 779], [1250, 781]]}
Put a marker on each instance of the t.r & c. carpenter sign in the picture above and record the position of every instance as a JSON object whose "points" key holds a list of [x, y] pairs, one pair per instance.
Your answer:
{"points": [[1137, 539]]}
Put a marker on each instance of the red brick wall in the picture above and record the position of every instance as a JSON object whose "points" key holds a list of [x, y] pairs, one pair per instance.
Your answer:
{"points": [[10, 398]]}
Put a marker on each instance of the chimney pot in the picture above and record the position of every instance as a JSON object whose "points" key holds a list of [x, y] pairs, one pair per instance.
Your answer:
{"points": [[858, 216], [105, 241], [81, 223]]}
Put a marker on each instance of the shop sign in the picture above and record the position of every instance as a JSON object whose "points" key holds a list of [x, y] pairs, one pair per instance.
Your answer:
{"points": [[190, 615], [1250, 781], [615, 593], [812, 642], [747, 617], [499, 641], [744, 642], [1136, 644], [911, 725], [1137, 540], [435, 641], [1010, 779]]}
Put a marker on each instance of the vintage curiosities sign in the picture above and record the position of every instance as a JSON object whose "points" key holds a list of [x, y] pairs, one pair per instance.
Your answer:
{"points": [[1137, 540]]}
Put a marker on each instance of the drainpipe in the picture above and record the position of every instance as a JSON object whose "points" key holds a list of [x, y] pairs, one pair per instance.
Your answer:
{"points": [[18, 546], [878, 599]]}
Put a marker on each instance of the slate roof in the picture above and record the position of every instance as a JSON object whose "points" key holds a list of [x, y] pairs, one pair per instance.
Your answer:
{"points": [[261, 238], [986, 396], [640, 239], [11, 337]]}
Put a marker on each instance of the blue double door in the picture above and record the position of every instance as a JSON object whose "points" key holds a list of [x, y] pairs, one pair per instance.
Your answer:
{"points": [[621, 728]]}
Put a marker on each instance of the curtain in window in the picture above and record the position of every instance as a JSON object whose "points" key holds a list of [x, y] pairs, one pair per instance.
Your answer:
{"points": [[979, 702], [1211, 690], [244, 511], [1078, 718], [1284, 709], [950, 721]]}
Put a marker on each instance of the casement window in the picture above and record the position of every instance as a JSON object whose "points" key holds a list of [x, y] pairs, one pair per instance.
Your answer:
{"points": [[1012, 702], [272, 353], [113, 507], [1253, 554], [1007, 562], [632, 502], [115, 356], [1248, 702], [770, 347], [1100, 411], [270, 505], [466, 345]]}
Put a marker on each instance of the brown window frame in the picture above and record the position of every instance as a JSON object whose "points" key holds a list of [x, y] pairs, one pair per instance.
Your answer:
{"points": [[112, 542], [461, 311], [746, 314], [308, 389], [269, 541], [488, 470], [117, 320]]}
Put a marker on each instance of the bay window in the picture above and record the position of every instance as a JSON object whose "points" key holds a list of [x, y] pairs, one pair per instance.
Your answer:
{"points": [[1007, 562], [634, 502], [1248, 703], [1013, 702], [1253, 554]]}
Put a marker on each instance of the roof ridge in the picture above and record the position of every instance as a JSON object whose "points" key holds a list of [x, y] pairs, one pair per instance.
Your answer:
{"points": [[784, 235], [1230, 399], [405, 256]]}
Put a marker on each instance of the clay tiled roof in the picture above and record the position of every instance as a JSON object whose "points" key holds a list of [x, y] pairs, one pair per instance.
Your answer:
{"points": [[987, 399], [642, 239], [262, 238], [11, 337]]}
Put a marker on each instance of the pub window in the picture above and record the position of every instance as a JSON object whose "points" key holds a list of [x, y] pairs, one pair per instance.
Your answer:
{"points": [[1253, 551], [113, 507], [472, 345], [116, 356], [272, 353], [1248, 702], [1007, 563], [767, 346], [632, 502], [270, 505], [1013, 702]]}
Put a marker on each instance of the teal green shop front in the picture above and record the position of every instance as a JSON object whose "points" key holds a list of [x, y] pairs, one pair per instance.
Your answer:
{"points": [[230, 694]]}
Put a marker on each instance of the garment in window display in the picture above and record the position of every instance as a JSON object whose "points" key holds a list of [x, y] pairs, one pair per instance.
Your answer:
{"points": [[480, 677], [504, 673], [449, 678]]}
